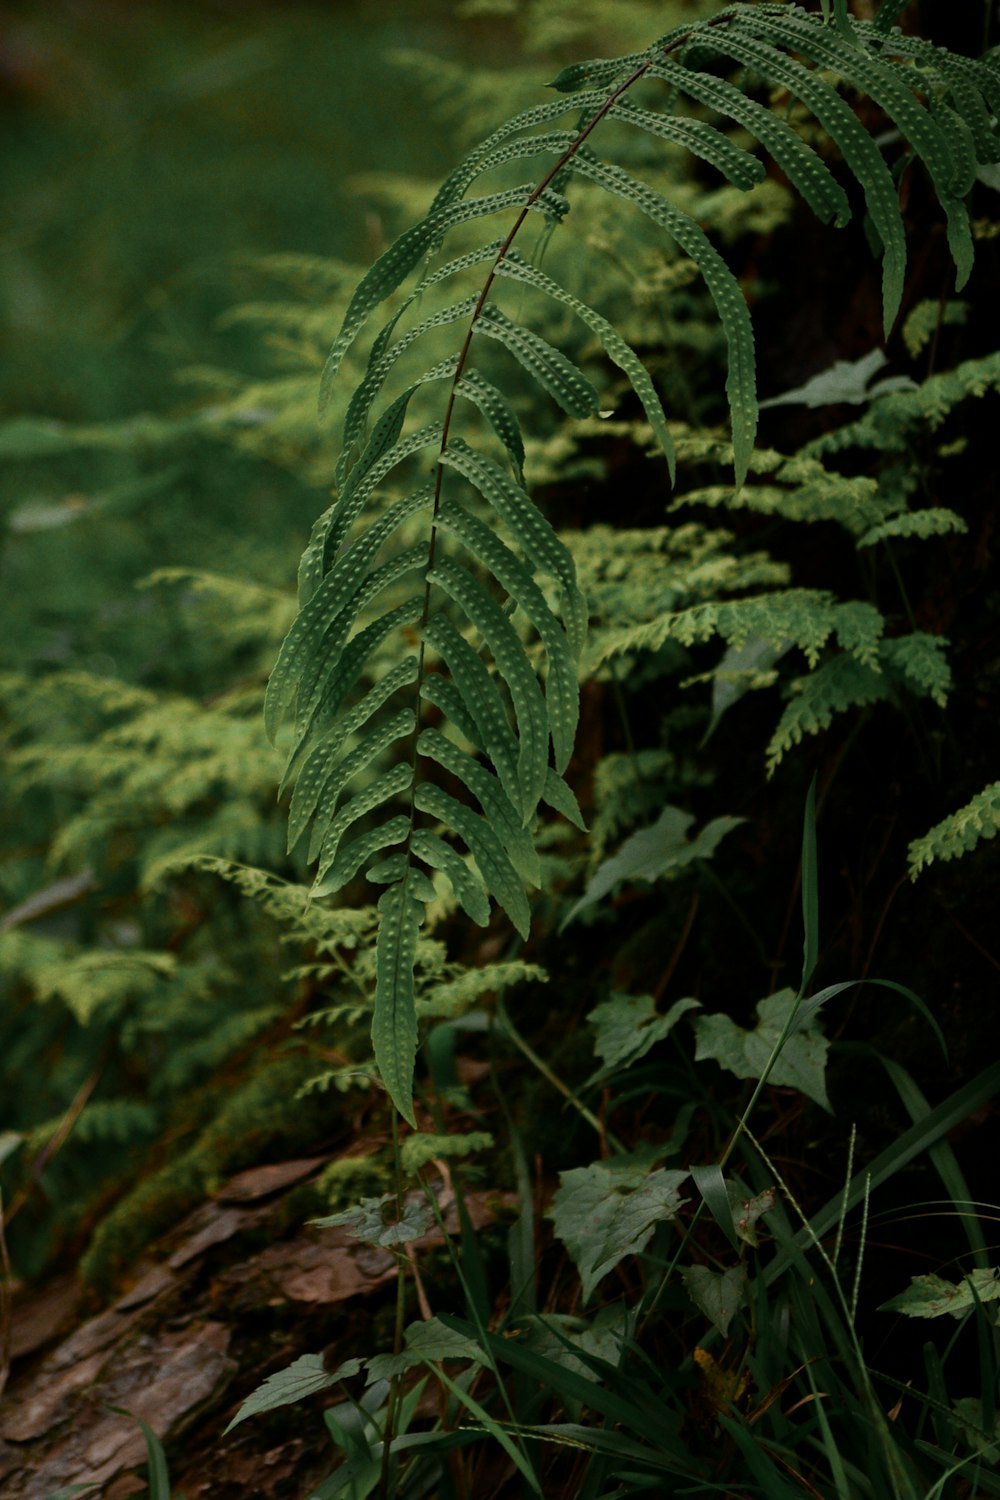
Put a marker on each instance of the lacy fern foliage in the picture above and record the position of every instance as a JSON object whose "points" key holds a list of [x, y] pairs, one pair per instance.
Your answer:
{"points": [[426, 692]]}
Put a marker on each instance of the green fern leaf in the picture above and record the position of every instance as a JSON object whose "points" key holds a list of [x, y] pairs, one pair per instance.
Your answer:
{"points": [[562, 694], [801, 165], [397, 727], [936, 520], [389, 784], [495, 629], [549, 366], [394, 1021], [462, 176], [472, 701], [833, 688], [343, 673], [488, 792], [334, 606], [330, 531], [384, 356], [406, 253], [919, 662], [560, 796], [739, 166], [466, 882], [485, 846], [615, 347], [806, 618], [529, 528], [857, 147], [498, 412], [887, 13], [324, 755], [919, 127], [741, 385], [352, 855], [958, 834], [604, 72]]}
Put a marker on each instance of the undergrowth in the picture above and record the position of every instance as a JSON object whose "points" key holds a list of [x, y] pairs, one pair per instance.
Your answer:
{"points": [[609, 685]]}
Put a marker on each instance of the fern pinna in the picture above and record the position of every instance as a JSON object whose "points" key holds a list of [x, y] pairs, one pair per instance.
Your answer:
{"points": [[440, 620]]}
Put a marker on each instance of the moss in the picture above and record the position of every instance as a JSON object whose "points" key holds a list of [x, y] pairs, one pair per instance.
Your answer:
{"points": [[254, 1121]]}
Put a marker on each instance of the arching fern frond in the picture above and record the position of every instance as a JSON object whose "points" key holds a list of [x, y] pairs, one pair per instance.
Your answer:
{"points": [[426, 693], [960, 832]]}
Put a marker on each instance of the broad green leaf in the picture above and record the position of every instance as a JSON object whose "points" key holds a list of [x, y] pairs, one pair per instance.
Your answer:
{"points": [[747, 1210], [394, 1022], [609, 1210], [654, 852], [932, 1296], [366, 1221], [718, 1294], [800, 1064], [846, 382], [627, 1026], [429, 1341], [741, 670], [302, 1378]]}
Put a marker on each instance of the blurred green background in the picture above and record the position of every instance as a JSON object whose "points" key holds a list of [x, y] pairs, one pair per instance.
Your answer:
{"points": [[149, 150]]}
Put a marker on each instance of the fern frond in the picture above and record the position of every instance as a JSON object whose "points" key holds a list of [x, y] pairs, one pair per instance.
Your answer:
{"points": [[888, 423], [800, 163], [408, 251], [457, 574], [838, 685], [291, 905], [514, 267], [936, 520], [806, 618], [741, 385], [915, 662], [842, 125], [960, 832], [886, 87], [919, 663]]}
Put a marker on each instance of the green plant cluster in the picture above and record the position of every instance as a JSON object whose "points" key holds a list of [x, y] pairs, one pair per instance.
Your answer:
{"points": [[608, 684]]}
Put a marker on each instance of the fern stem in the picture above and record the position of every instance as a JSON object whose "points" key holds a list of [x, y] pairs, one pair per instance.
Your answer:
{"points": [[400, 1320]]}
